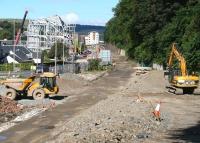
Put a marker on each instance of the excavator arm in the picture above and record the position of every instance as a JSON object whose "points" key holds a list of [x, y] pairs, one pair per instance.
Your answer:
{"points": [[175, 53]]}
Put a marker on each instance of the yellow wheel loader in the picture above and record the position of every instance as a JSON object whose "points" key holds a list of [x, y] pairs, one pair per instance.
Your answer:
{"points": [[180, 78], [31, 86]]}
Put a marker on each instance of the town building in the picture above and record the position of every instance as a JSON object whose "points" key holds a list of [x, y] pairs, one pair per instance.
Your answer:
{"points": [[92, 38]]}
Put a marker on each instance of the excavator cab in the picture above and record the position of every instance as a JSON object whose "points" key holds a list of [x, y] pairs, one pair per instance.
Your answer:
{"points": [[172, 73]]}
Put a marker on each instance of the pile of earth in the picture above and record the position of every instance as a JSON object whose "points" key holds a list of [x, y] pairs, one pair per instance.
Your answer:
{"points": [[9, 109]]}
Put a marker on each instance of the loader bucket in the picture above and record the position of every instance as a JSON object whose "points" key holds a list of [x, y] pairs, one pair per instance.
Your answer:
{"points": [[26, 83]]}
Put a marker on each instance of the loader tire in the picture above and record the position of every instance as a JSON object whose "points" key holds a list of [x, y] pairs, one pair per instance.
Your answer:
{"points": [[38, 94], [10, 94]]}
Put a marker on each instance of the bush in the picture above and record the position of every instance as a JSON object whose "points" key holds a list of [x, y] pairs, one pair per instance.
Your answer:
{"points": [[21, 66], [94, 64]]}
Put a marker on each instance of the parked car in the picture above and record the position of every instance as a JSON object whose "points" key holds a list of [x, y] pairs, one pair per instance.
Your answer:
{"points": [[87, 52], [42, 68], [39, 69]]}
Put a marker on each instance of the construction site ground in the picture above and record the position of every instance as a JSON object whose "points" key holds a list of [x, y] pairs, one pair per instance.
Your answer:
{"points": [[107, 109]]}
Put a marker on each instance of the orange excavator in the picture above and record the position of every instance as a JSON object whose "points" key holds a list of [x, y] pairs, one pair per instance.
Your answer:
{"points": [[180, 78]]}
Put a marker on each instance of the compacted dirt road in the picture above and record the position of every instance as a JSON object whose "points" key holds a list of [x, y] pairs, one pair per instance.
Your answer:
{"points": [[39, 127], [109, 110]]}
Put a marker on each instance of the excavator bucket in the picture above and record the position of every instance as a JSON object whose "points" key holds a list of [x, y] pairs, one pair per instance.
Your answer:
{"points": [[18, 84]]}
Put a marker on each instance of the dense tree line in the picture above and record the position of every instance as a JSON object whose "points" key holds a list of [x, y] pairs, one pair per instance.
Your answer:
{"points": [[7, 29], [146, 29]]}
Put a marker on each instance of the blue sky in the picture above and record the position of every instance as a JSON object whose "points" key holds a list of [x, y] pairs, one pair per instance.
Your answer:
{"points": [[96, 12]]}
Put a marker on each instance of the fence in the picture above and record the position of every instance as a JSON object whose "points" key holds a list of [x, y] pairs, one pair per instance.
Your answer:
{"points": [[67, 68]]}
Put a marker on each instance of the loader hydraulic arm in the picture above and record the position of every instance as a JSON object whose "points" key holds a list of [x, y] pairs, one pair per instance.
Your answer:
{"points": [[179, 57]]}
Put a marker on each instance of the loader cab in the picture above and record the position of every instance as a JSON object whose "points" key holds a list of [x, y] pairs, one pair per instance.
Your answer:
{"points": [[172, 73], [48, 81]]}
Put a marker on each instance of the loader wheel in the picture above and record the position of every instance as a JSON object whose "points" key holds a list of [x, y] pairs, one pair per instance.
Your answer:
{"points": [[38, 94], [10, 93]]}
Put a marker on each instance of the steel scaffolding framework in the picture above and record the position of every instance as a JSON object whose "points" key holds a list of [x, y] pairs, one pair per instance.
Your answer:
{"points": [[43, 33]]}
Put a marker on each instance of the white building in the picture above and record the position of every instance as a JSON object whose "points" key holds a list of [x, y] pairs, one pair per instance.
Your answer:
{"points": [[43, 33], [92, 38]]}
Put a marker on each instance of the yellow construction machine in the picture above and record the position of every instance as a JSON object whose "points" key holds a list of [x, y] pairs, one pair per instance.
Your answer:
{"points": [[180, 78], [38, 89]]}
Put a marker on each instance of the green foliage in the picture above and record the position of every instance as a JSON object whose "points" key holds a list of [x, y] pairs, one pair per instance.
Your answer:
{"points": [[59, 46], [7, 29], [21, 66], [94, 64], [146, 29], [24, 66], [6, 67], [83, 47], [45, 57]]}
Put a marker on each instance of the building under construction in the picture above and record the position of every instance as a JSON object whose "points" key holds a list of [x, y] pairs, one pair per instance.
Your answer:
{"points": [[43, 33]]}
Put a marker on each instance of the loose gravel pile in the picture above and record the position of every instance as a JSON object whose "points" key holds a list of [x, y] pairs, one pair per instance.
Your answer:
{"points": [[8, 109], [147, 83], [68, 83], [8, 106], [116, 119]]}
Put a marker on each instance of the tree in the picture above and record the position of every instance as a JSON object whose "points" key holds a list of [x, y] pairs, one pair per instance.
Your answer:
{"points": [[7, 28], [59, 46], [45, 57], [146, 29]]}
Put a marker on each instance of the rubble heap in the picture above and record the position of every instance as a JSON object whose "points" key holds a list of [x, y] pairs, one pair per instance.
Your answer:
{"points": [[8, 106]]}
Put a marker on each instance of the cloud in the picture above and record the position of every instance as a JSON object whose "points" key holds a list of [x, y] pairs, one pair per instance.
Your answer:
{"points": [[71, 18]]}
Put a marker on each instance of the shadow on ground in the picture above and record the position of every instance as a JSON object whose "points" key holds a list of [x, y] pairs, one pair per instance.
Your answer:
{"points": [[58, 97], [191, 134]]}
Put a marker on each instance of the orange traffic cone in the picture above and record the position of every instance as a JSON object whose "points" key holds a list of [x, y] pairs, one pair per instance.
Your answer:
{"points": [[156, 112]]}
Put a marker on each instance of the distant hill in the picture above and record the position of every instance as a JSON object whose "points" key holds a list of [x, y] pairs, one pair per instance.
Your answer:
{"points": [[85, 29], [6, 27]]}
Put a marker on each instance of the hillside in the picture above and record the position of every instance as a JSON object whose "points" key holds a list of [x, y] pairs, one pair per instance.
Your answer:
{"points": [[146, 29], [85, 29], [6, 28]]}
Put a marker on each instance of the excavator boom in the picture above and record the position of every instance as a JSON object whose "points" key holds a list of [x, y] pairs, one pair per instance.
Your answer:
{"points": [[179, 57]]}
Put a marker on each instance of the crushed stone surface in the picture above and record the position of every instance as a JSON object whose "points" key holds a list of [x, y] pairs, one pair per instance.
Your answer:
{"points": [[116, 119]]}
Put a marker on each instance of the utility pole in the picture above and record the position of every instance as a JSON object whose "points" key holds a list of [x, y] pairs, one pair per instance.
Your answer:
{"points": [[63, 55], [55, 58], [37, 50], [14, 45]]}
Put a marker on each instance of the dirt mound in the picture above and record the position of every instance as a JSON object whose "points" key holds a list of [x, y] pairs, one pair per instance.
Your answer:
{"points": [[69, 86], [151, 82], [9, 109], [8, 106]]}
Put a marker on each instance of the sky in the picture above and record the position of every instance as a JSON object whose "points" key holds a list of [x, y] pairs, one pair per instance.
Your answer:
{"points": [[94, 12]]}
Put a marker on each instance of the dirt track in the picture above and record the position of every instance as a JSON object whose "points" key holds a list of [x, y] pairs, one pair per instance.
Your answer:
{"points": [[106, 111]]}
